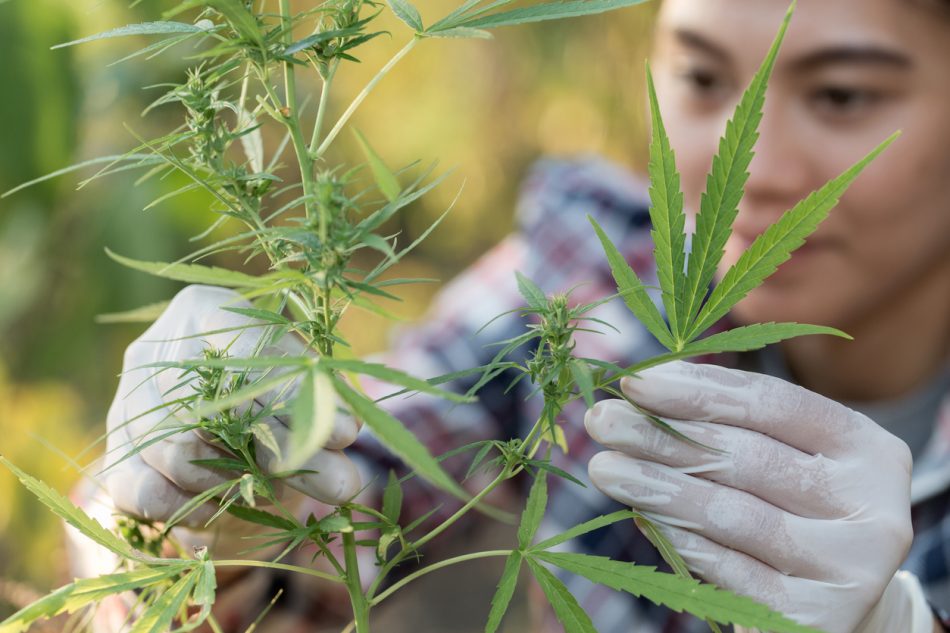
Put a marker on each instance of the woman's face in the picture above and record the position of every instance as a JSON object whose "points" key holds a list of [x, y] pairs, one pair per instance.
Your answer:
{"points": [[850, 73]]}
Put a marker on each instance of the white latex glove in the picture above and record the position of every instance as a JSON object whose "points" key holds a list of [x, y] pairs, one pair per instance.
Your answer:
{"points": [[808, 512], [161, 478]]}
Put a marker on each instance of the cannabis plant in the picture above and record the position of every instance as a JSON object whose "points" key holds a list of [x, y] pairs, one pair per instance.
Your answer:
{"points": [[310, 245]]}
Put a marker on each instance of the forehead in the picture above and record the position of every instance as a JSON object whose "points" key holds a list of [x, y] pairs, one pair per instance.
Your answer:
{"points": [[745, 28]]}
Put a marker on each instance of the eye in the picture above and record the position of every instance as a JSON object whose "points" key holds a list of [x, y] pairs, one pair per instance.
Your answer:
{"points": [[843, 101], [704, 82]]}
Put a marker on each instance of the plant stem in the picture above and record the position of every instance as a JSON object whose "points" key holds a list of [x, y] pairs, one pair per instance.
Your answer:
{"points": [[292, 120], [283, 566], [388, 567], [445, 563], [353, 585], [362, 95], [322, 108]]}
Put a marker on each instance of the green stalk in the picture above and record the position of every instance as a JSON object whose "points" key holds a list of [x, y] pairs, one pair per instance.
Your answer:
{"points": [[362, 96], [292, 120], [322, 108], [353, 585], [398, 558], [435, 566], [283, 566]]}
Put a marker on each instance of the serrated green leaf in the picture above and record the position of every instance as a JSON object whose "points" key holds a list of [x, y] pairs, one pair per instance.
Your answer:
{"points": [[145, 28], [569, 613], [317, 38], [546, 11], [756, 336], [145, 314], [334, 523], [584, 380], [392, 498], [78, 594], [141, 160], [159, 615], [69, 512], [479, 457], [533, 510], [196, 273], [669, 554], [312, 418], [265, 435], [532, 294], [394, 376], [668, 219], [633, 291], [378, 243], [457, 14], [234, 11], [775, 245], [260, 517], [584, 528], [205, 587], [268, 316], [504, 592], [724, 185], [407, 13], [679, 594], [461, 32], [398, 439], [385, 179], [246, 487]]}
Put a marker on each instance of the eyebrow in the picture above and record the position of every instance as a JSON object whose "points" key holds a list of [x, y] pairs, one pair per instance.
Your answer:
{"points": [[845, 54]]}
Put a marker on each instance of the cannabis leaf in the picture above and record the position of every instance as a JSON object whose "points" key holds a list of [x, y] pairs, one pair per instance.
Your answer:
{"points": [[702, 600], [685, 278]]}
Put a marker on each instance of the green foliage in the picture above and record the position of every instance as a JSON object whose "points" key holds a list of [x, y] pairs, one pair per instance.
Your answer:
{"points": [[67, 511], [569, 613], [506, 589], [705, 601], [77, 595], [398, 439], [533, 511], [146, 28], [312, 418]]}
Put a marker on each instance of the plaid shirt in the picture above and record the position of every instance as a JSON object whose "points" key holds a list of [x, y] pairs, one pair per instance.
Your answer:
{"points": [[557, 248]]}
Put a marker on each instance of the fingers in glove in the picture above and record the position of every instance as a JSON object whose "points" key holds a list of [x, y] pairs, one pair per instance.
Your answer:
{"points": [[775, 472], [730, 517], [335, 478], [733, 570], [173, 457], [789, 413], [142, 491]]}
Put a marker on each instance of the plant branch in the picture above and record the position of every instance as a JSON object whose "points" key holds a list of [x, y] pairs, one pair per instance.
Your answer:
{"points": [[362, 96], [435, 566], [284, 566]]}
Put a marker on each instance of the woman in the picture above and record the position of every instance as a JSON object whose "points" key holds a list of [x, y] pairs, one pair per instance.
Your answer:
{"points": [[811, 512]]}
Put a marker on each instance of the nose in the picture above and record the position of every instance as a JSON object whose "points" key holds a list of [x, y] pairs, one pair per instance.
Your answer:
{"points": [[779, 174]]}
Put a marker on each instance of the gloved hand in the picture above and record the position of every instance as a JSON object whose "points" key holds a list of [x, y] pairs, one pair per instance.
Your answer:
{"points": [[157, 481], [807, 511]]}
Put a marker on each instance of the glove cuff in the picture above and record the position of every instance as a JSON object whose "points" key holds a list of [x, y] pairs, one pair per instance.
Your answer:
{"points": [[902, 608]]}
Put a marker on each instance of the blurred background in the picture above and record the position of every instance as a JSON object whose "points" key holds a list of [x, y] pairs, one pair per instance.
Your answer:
{"points": [[487, 108]]}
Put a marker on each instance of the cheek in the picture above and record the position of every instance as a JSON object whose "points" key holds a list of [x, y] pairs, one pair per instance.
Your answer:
{"points": [[891, 227], [897, 217]]}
